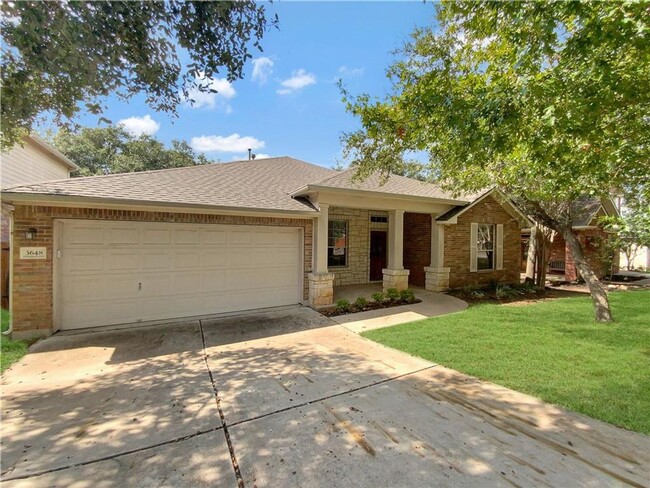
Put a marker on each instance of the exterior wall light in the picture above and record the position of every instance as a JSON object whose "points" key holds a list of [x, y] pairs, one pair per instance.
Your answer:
{"points": [[31, 233]]}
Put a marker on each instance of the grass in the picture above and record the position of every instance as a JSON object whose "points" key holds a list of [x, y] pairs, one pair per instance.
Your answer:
{"points": [[552, 350], [10, 351]]}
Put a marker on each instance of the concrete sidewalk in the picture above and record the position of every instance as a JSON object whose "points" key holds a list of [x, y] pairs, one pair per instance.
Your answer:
{"points": [[432, 305]]}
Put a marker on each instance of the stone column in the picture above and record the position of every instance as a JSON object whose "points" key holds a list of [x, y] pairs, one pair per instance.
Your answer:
{"points": [[437, 275], [321, 289], [321, 282], [395, 276]]}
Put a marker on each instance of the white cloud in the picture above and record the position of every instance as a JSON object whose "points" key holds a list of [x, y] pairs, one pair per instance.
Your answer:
{"points": [[245, 157], [262, 69], [224, 91], [232, 143], [262, 156], [350, 72], [138, 126], [299, 79]]}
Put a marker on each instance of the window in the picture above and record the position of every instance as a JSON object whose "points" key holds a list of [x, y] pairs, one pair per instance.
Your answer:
{"points": [[379, 219], [337, 243], [485, 247]]}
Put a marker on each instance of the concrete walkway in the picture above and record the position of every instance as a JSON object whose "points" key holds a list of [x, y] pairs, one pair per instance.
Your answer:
{"points": [[285, 398], [432, 304]]}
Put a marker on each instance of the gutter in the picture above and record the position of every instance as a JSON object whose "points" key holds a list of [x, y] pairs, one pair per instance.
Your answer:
{"points": [[147, 205]]}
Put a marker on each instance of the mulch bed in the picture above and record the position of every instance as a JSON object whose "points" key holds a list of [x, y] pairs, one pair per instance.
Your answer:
{"points": [[334, 312]]}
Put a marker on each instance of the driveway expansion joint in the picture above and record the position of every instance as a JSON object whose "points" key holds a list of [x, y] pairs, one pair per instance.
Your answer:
{"points": [[334, 395], [108, 458], [231, 449]]}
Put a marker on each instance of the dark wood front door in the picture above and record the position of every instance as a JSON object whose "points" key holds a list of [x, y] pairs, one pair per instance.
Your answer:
{"points": [[378, 248]]}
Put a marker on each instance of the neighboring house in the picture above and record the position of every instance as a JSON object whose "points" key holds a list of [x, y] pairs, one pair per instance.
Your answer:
{"points": [[33, 161], [640, 259], [592, 236], [138, 247]]}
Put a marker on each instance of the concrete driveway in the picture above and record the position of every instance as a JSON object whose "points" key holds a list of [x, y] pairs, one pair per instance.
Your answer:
{"points": [[284, 398]]}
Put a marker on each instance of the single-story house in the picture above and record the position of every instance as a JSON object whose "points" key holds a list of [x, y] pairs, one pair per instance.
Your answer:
{"points": [[31, 161], [138, 247]]}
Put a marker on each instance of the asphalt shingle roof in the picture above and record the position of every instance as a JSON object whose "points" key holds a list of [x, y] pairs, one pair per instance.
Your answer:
{"points": [[258, 184], [394, 184]]}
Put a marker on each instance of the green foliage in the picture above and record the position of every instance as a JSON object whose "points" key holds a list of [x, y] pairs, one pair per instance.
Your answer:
{"points": [[343, 305], [378, 297], [361, 303], [113, 150], [552, 350], [58, 57], [392, 295], [10, 351], [546, 100], [407, 295]]}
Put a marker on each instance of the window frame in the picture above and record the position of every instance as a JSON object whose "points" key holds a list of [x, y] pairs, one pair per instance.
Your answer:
{"points": [[480, 247], [331, 246]]}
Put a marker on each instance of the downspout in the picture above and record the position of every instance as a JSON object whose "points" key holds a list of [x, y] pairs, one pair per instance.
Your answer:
{"points": [[11, 273]]}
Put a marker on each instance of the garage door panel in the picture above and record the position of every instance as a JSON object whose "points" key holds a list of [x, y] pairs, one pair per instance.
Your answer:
{"points": [[157, 260], [187, 236], [89, 234], [183, 269], [156, 236], [122, 235], [84, 261], [123, 260]]}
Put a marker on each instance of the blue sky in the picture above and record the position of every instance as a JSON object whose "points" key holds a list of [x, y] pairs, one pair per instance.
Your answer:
{"points": [[288, 103]]}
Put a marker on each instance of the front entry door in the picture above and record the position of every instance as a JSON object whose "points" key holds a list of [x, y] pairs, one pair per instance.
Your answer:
{"points": [[378, 249]]}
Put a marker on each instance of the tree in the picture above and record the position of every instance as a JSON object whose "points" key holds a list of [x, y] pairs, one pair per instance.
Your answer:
{"points": [[548, 101], [113, 150], [58, 56]]}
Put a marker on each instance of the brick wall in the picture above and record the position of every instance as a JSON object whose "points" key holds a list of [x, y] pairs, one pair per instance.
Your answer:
{"points": [[457, 246], [593, 243], [33, 279], [417, 246]]}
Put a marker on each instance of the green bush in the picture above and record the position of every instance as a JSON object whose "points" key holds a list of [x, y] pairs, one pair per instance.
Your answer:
{"points": [[392, 294], [361, 303], [407, 295], [343, 305], [378, 297]]}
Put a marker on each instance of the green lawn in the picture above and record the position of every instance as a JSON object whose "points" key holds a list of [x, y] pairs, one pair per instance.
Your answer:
{"points": [[553, 350], [10, 351]]}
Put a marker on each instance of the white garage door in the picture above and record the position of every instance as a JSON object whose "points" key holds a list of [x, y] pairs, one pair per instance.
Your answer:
{"points": [[123, 272]]}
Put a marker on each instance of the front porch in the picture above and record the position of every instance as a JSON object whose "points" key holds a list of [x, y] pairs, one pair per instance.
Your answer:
{"points": [[370, 250]]}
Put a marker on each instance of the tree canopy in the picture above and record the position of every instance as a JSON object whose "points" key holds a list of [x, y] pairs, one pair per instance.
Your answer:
{"points": [[99, 151], [62, 57], [548, 101]]}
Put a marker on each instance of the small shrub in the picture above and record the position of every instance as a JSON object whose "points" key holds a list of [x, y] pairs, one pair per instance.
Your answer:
{"points": [[392, 294], [343, 305], [493, 285], [507, 291], [378, 297], [361, 303], [408, 296]]}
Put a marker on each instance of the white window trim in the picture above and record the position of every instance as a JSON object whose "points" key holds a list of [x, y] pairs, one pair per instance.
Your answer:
{"points": [[497, 264], [346, 247]]}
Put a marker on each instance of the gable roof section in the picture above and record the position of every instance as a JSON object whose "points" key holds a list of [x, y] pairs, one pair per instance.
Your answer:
{"points": [[258, 184], [586, 210], [53, 151], [452, 214], [393, 184]]}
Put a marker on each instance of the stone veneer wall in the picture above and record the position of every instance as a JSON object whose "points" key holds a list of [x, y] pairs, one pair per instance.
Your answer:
{"points": [[357, 270], [457, 246], [33, 279]]}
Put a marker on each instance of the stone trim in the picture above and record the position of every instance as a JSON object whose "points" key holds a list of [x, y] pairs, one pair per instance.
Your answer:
{"points": [[437, 279], [321, 289], [396, 278]]}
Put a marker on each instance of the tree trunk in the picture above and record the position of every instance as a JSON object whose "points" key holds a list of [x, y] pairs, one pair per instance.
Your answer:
{"points": [[531, 256], [542, 258], [596, 288]]}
